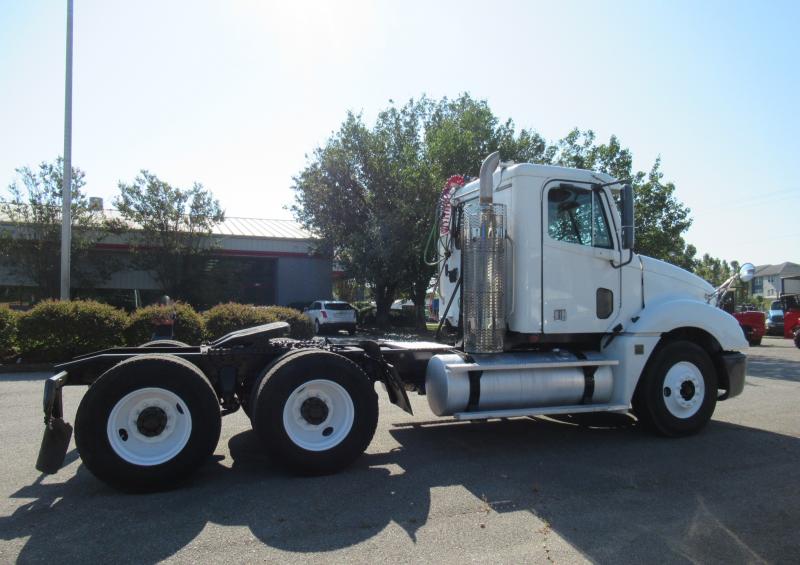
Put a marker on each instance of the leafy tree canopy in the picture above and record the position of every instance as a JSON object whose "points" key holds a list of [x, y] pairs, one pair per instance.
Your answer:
{"points": [[171, 230]]}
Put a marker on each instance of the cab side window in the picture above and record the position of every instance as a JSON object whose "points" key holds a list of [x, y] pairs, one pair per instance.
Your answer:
{"points": [[576, 216]]}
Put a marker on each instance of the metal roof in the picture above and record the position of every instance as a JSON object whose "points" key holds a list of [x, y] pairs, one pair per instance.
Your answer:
{"points": [[262, 227], [239, 227]]}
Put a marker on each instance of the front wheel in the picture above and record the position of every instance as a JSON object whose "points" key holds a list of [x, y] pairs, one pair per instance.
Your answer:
{"points": [[316, 327], [147, 422], [315, 412], [677, 394]]}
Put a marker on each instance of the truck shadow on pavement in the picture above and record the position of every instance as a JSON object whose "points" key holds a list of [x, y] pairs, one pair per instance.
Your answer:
{"points": [[614, 493]]}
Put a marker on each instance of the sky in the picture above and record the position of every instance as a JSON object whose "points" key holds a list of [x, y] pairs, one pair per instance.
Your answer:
{"points": [[236, 94]]}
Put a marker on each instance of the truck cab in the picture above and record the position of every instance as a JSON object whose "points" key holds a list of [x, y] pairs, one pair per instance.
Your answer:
{"points": [[572, 283], [570, 277]]}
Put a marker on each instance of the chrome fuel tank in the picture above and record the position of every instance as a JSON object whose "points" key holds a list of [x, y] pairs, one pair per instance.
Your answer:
{"points": [[515, 380]]}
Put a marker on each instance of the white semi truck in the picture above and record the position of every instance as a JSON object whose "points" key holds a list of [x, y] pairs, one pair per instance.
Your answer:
{"points": [[555, 314]]}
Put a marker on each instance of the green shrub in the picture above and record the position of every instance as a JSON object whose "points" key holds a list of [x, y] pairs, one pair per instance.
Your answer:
{"points": [[189, 326], [58, 331], [226, 318], [8, 332], [299, 324]]}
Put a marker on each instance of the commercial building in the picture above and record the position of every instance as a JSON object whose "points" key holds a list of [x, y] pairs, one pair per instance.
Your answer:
{"points": [[267, 262]]}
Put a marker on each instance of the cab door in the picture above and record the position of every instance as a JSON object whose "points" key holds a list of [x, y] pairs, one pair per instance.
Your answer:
{"points": [[580, 286]]}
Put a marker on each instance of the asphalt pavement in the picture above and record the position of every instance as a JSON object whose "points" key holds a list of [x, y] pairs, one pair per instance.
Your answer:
{"points": [[540, 490]]}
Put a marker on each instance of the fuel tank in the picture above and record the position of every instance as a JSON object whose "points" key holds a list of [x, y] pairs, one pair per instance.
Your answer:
{"points": [[515, 380]]}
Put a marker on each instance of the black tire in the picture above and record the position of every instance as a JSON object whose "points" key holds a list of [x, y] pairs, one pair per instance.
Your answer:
{"points": [[252, 399], [650, 399], [154, 370], [754, 341], [289, 375], [316, 327], [164, 343], [797, 338], [351, 331]]}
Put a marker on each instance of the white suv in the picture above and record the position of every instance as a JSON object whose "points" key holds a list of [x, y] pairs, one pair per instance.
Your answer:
{"points": [[332, 315]]}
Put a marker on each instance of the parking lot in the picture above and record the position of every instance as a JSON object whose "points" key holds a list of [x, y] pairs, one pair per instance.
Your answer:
{"points": [[523, 490]]}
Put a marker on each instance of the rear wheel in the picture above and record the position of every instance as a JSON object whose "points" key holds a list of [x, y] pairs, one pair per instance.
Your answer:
{"points": [[754, 341], [147, 422], [315, 412], [797, 338], [677, 394]]}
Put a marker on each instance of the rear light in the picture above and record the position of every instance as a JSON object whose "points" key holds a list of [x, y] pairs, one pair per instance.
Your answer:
{"points": [[324, 314]]}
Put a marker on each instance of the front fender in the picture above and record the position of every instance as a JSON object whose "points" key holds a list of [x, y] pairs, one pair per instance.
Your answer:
{"points": [[658, 319]]}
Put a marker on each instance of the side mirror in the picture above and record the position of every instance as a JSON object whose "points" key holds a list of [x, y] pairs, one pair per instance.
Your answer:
{"points": [[627, 217], [747, 272]]}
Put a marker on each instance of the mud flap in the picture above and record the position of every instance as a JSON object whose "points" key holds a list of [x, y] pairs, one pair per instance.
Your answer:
{"points": [[394, 388], [388, 375], [57, 432], [55, 443]]}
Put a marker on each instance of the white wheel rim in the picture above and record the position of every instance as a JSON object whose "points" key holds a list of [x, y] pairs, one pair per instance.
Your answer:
{"points": [[683, 390], [133, 442], [325, 431]]}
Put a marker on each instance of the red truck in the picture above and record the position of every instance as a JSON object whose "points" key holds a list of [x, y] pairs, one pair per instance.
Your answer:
{"points": [[754, 325], [752, 322], [790, 299]]}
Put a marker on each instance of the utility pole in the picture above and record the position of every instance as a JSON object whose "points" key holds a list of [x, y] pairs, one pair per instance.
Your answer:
{"points": [[66, 187]]}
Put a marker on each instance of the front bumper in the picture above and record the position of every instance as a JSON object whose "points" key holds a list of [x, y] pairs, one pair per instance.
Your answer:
{"points": [[775, 329], [735, 366]]}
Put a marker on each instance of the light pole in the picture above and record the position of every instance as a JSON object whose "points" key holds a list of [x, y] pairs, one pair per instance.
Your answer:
{"points": [[66, 187]]}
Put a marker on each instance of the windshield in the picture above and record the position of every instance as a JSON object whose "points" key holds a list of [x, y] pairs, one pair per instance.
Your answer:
{"points": [[338, 306], [776, 305]]}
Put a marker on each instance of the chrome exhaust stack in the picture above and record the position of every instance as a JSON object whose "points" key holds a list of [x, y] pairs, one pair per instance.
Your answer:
{"points": [[483, 234]]}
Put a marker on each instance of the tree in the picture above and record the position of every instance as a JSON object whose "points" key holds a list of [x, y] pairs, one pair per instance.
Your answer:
{"points": [[30, 239], [171, 231], [714, 270], [371, 193], [357, 195]]}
